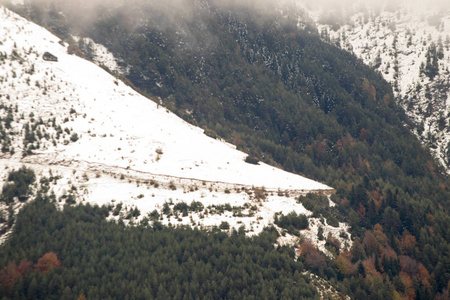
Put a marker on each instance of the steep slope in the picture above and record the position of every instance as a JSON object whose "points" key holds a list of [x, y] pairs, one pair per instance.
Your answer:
{"points": [[110, 145], [268, 83], [408, 43]]}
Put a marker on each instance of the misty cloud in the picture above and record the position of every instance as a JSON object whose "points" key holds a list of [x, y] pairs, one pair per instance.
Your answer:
{"points": [[82, 14], [173, 9]]}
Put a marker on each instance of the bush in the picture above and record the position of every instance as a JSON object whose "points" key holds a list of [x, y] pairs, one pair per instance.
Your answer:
{"points": [[211, 133], [181, 207], [224, 225], [252, 160], [19, 185], [332, 221], [74, 137], [196, 206], [316, 203], [297, 221], [333, 245]]}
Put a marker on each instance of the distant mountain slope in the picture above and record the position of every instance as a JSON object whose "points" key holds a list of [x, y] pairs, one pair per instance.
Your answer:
{"points": [[115, 147], [408, 42]]}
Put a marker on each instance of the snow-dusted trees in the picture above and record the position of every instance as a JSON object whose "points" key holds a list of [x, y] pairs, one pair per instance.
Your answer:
{"points": [[431, 66]]}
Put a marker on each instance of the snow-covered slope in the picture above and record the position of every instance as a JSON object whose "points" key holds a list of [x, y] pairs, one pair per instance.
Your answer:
{"points": [[110, 145], [409, 43]]}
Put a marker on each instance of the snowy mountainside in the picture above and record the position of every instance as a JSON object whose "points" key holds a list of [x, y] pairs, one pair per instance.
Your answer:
{"points": [[98, 54], [106, 144], [408, 42]]}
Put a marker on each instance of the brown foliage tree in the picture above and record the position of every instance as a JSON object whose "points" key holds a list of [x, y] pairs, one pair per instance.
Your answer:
{"points": [[306, 247], [410, 292], [424, 275], [12, 273], [370, 243], [47, 262], [315, 260], [409, 265], [344, 265], [9, 275], [238, 141], [369, 266], [408, 242], [24, 266]]}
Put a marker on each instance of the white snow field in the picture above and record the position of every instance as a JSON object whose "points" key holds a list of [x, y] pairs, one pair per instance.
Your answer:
{"points": [[114, 146]]}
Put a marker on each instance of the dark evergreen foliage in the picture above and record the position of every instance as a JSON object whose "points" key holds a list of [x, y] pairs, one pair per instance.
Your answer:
{"points": [[18, 185], [104, 260], [292, 222]]}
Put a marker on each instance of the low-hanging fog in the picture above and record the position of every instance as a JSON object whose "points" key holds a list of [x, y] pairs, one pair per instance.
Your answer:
{"points": [[81, 14]]}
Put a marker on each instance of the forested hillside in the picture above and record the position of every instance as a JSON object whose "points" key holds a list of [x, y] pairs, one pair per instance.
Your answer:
{"points": [[408, 42], [63, 255], [266, 82]]}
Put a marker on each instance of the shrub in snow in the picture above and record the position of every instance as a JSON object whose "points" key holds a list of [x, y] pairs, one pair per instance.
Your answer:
{"points": [[224, 225], [252, 160], [293, 222], [19, 185]]}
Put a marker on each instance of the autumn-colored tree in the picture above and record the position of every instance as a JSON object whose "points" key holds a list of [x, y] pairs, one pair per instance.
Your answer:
{"points": [[315, 260], [345, 202], [363, 134], [9, 275], [238, 141], [408, 242], [47, 262], [370, 243], [424, 275], [410, 292], [24, 266], [361, 210], [409, 265], [377, 199], [388, 252], [346, 142], [12, 273], [377, 228], [306, 247], [345, 267], [370, 268], [445, 295], [380, 236]]}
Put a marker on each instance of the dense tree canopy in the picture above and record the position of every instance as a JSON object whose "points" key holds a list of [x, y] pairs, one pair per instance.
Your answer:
{"points": [[77, 252]]}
